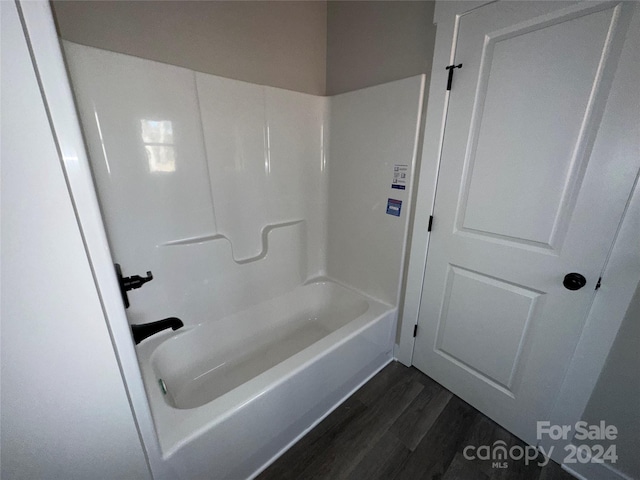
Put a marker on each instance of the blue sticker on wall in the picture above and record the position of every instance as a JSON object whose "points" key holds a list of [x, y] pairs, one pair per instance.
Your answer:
{"points": [[394, 207]]}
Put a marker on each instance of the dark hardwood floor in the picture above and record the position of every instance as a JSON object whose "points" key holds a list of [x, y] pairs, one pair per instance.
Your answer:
{"points": [[402, 425]]}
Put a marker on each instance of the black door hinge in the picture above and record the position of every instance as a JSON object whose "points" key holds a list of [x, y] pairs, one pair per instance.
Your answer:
{"points": [[415, 330], [450, 79], [430, 223], [599, 284]]}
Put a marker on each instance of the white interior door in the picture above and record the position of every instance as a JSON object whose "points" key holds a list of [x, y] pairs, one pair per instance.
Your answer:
{"points": [[534, 179]]}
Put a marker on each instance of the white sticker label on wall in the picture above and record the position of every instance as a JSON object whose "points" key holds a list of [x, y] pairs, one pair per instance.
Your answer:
{"points": [[400, 177]]}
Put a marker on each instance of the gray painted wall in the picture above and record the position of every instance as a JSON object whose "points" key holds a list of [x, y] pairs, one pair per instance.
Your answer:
{"points": [[616, 398], [316, 47], [369, 42], [277, 43]]}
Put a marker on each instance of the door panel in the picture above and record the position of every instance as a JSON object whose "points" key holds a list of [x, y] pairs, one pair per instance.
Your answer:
{"points": [[556, 62], [489, 346], [522, 200]]}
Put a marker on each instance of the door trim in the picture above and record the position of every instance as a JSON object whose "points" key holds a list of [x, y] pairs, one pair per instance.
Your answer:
{"points": [[620, 278], [447, 17]]}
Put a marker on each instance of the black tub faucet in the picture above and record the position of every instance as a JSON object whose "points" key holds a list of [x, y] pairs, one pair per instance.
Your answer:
{"points": [[140, 332]]}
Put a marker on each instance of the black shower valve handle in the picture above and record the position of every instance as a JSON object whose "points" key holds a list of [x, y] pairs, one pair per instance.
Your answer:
{"points": [[130, 283], [136, 281]]}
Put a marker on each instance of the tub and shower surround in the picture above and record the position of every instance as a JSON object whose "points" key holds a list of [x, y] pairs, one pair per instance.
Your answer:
{"points": [[263, 215]]}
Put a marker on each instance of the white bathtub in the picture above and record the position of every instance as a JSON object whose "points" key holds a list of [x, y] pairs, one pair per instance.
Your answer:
{"points": [[240, 390]]}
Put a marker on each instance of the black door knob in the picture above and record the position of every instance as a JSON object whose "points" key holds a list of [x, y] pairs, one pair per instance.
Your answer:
{"points": [[574, 281]]}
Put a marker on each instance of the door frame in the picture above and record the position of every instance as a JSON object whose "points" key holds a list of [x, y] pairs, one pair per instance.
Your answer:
{"points": [[621, 274]]}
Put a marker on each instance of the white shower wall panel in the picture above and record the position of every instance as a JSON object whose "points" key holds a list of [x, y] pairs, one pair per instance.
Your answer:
{"points": [[372, 131], [221, 227], [265, 150], [297, 127], [202, 283], [135, 114], [233, 120]]}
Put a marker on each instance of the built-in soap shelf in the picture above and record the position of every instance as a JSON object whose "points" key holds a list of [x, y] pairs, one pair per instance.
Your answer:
{"points": [[218, 236]]}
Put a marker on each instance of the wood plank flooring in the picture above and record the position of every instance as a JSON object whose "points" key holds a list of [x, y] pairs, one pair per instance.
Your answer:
{"points": [[401, 425]]}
